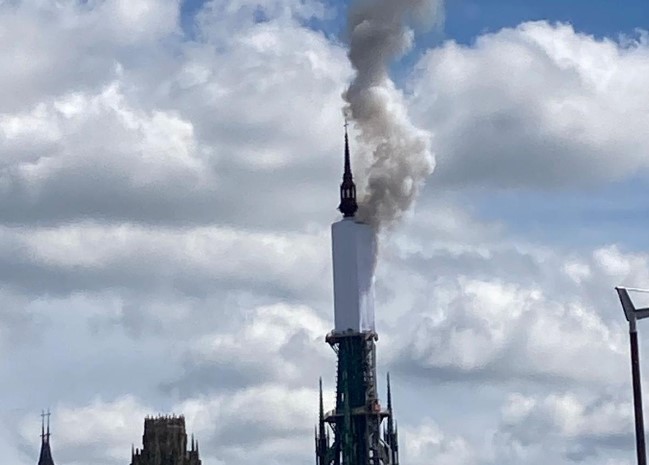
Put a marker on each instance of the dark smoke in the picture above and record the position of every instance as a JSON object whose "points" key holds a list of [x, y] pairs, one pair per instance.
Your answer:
{"points": [[379, 32]]}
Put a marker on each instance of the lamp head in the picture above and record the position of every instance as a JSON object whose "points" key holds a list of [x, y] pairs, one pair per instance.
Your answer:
{"points": [[630, 312]]}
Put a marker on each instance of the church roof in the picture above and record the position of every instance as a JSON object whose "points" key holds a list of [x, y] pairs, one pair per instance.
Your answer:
{"points": [[46, 454]]}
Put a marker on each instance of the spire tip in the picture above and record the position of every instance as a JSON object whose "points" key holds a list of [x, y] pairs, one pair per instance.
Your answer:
{"points": [[348, 205]]}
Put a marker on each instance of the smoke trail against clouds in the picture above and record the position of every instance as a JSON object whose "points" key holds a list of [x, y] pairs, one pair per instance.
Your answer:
{"points": [[402, 157]]}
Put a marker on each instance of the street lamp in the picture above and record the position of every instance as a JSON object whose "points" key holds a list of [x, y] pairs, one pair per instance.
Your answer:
{"points": [[632, 315]]}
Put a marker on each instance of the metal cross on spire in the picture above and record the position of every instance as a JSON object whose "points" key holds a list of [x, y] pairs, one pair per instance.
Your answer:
{"points": [[348, 205], [45, 436]]}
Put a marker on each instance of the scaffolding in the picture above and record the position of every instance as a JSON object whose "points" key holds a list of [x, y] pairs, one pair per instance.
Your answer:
{"points": [[357, 419]]}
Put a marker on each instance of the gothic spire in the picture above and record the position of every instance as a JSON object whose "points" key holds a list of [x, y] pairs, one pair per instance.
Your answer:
{"points": [[389, 395], [321, 436], [321, 416], [348, 205], [390, 424], [391, 429], [46, 453]]}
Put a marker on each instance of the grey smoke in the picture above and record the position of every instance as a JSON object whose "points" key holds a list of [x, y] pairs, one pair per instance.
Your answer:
{"points": [[401, 160]]}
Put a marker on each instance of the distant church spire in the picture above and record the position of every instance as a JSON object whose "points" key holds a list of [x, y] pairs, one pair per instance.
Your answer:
{"points": [[348, 205], [46, 453]]}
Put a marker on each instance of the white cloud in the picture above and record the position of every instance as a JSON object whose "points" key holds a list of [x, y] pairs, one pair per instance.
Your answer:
{"points": [[577, 426], [277, 342], [100, 431], [91, 256], [267, 423], [73, 45], [538, 105], [164, 133], [165, 207], [500, 310], [427, 444]]}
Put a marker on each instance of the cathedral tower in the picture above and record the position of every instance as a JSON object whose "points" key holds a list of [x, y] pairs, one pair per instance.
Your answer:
{"points": [[360, 434], [165, 443]]}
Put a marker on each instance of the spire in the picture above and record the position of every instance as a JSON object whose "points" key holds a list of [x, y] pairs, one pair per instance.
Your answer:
{"points": [[390, 425], [321, 436], [46, 453], [348, 163], [389, 395], [321, 417], [391, 429], [348, 205]]}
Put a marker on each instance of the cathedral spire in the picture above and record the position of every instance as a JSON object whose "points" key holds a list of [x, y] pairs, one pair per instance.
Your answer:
{"points": [[389, 395], [46, 453], [391, 429], [348, 205], [321, 416], [321, 434]]}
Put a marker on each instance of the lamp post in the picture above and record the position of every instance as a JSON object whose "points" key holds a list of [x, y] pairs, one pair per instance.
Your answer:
{"points": [[632, 315]]}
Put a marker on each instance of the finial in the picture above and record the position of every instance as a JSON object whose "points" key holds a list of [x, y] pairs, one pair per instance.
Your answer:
{"points": [[321, 403], [348, 205], [348, 165], [389, 395], [45, 436]]}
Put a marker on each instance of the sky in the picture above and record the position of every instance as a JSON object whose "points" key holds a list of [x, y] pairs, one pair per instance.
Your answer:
{"points": [[169, 173]]}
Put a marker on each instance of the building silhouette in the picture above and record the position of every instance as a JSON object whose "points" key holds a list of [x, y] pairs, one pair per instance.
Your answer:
{"points": [[165, 443], [45, 457]]}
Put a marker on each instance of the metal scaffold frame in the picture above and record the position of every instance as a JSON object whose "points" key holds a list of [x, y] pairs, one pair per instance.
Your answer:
{"points": [[358, 416]]}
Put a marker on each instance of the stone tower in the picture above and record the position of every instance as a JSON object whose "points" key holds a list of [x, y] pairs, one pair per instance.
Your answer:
{"points": [[165, 443]]}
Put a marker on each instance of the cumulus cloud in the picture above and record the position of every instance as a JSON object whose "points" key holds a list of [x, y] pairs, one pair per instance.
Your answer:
{"points": [[167, 139], [259, 423], [97, 431], [426, 443], [91, 256], [274, 342], [539, 105], [498, 313], [165, 204], [578, 426], [73, 45]]}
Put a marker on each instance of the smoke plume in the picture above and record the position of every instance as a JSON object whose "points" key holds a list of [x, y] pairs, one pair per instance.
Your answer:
{"points": [[379, 32]]}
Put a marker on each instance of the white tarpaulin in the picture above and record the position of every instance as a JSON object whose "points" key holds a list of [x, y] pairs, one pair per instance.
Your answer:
{"points": [[354, 251]]}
